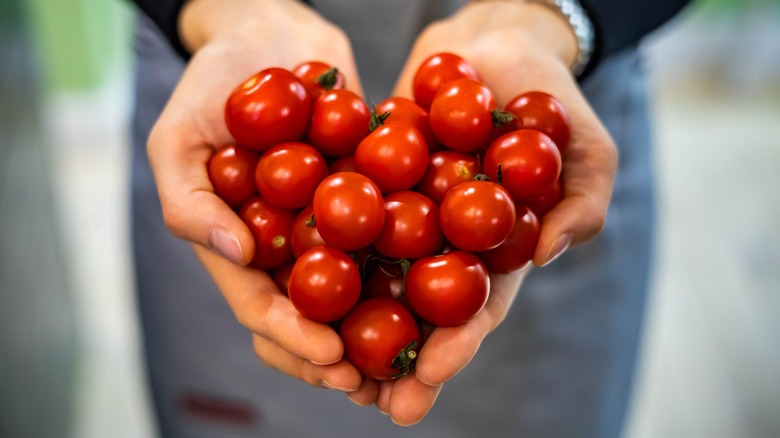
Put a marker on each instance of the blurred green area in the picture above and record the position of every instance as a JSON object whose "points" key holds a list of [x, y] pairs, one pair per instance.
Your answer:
{"points": [[81, 42]]}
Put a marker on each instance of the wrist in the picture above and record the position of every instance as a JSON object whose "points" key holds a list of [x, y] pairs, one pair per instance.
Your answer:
{"points": [[544, 24], [201, 21]]}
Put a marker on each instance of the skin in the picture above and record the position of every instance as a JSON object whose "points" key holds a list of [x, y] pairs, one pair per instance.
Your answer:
{"points": [[514, 46]]}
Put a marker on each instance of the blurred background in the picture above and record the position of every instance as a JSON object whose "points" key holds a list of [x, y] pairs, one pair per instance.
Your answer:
{"points": [[70, 359]]}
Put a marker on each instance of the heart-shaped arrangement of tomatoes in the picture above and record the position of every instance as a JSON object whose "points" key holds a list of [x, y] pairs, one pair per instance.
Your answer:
{"points": [[377, 220]]}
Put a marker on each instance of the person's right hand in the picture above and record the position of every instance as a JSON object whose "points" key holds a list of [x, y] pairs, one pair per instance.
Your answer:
{"points": [[230, 41]]}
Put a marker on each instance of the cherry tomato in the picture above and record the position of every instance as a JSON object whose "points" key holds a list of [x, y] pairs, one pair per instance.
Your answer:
{"points": [[339, 121], [530, 163], [282, 276], [446, 169], [518, 249], [477, 215], [232, 173], [304, 232], [319, 77], [461, 115], [543, 112], [271, 227], [547, 201], [384, 279], [324, 284], [288, 174], [343, 164], [401, 109], [269, 108], [435, 72], [349, 210], [381, 338], [448, 289], [411, 227], [394, 157]]}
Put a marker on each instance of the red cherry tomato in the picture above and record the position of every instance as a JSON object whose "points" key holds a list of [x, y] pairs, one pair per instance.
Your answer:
{"points": [[381, 339], [349, 210], [477, 215], [403, 110], [319, 77], [530, 163], [282, 276], [288, 174], [411, 227], [446, 169], [343, 164], [271, 227], [448, 289], [324, 284], [518, 249], [269, 108], [461, 115], [435, 72], [384, 279], [304, 232], [543, 112], [232, 173], [339, 121], [394, 157], [547, 201]]}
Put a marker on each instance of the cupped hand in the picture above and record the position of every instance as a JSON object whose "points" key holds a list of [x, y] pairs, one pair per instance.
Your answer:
{"points": [[230, 41], [515, 47]]}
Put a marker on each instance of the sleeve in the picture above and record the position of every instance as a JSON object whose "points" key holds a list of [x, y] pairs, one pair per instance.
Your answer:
{"points": [[622, 23], [165, 14]]}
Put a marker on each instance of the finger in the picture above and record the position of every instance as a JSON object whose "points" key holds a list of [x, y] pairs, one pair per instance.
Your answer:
{"points": [[588, 176], [340, 376], [366, 394], [411, 400], [449, 349], [383, 396], [262, 308], [190, 208]]}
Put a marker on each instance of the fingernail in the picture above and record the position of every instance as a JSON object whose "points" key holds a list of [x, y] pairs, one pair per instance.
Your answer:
{"points": [[322, 364], [226, 244], [324, 383], [558, 247], [357, 402]]}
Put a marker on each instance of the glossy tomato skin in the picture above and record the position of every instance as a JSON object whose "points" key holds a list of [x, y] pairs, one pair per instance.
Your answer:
{"points": [[545, 202], [394, 157], [304, 232], [411, 227], [231, 172], [449, 289], [543, 112], [436, 71], [311, 75], [343, 164], [518, 249], [445, 170], [375, 333], [288, 174], [324, 284], [269, 108], [339, 121], [384, 279], [349, 210], [461, 115], [403, 110], [530, 163], [271, 227], [477, 215]]}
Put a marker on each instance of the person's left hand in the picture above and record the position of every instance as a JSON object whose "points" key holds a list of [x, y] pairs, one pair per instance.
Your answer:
{"points": [[514, 47]]}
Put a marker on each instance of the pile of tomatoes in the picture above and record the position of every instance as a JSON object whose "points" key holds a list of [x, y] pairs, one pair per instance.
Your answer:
{"points": [[378, 219]]}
